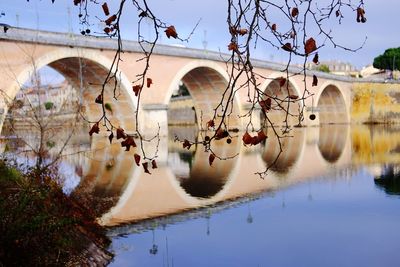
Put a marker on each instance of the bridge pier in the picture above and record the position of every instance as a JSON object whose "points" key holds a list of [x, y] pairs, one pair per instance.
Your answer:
{"points": [[154, 116]]}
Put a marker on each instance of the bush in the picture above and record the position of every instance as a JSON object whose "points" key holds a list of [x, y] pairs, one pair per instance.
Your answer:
{"points": [[49, 105], [39, 224]]}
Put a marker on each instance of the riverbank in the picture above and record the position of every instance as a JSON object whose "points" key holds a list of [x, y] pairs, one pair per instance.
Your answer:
{"points": [[40, 225]]}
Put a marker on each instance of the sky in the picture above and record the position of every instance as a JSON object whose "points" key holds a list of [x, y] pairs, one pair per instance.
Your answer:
{"points": [[381, 30]]}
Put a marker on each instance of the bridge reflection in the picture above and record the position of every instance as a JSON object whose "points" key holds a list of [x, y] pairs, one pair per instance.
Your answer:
{"points": [[118, 191], [185, 180]]}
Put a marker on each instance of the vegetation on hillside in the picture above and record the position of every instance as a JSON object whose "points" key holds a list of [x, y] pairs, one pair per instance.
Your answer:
{"points": [[40, 225]]}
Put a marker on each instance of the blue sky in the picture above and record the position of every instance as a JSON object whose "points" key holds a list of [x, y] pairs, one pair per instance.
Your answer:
{"points": [[381, 28]]}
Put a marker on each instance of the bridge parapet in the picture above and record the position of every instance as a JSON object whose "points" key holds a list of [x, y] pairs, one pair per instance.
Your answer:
{"points": [[105, 43]]}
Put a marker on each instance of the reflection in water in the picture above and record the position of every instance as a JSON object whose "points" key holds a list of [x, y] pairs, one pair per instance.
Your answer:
{"points": [[375, 144], [195, 175], [291, 151], [389, 180], [105, 176], [332, 139], [112, 184]]}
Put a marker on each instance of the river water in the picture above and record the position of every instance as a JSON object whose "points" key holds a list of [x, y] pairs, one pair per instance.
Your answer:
{"points": [[332, 198]]}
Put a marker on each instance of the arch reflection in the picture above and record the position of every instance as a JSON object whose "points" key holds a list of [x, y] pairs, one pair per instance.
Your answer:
{"points": [[193, 172], [332, 141], [105, 172], [292, 147]]}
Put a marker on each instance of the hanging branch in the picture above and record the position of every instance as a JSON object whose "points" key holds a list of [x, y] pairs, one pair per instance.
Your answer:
{"points": [[301, 34]]}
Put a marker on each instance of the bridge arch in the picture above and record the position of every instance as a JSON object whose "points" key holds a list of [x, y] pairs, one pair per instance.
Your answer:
{"points": [[205, 81], [272, 87], [331, 105], [71, 63]]}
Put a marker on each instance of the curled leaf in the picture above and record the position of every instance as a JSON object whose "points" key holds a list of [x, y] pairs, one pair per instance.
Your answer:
{"points": [[210, 124], [110, 137], [105, 9], [211, 159], [282, 81], [171, 32], [154, 164], [107, 30], [95, 129], [314, 80], [99, 99], [247, 139], [261, 136], [273, 27], [310, 46], [233, 46], [337, 13], [149, 82], [242, 31], [295, 12], [294, 97], [287, 47], [110, 20], [266, 104], [137, 159], [316, 59], [186, 144], [136, 89], [121, 133], [360, 15], [128, 142], [143, 14], [254, 140], [221, 133], [146, 167]]}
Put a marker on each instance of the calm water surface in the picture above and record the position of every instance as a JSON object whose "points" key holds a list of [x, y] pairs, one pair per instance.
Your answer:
{"points": [[331, 199]]}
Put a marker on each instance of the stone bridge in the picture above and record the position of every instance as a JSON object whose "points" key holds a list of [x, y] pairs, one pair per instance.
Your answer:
{"points": [[85, 62]]}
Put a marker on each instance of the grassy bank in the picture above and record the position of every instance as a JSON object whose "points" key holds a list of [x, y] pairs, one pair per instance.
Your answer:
{"points": [[40, 225]]}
